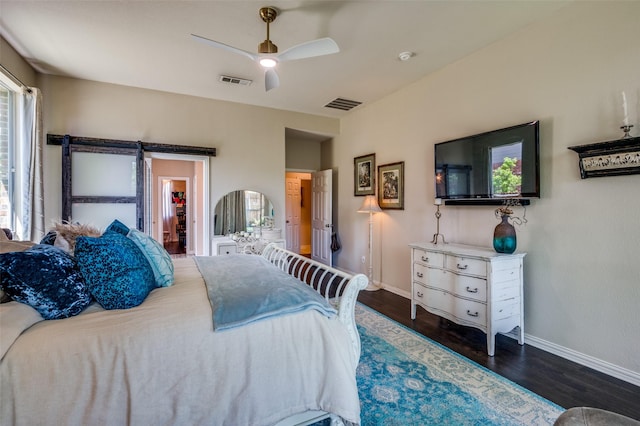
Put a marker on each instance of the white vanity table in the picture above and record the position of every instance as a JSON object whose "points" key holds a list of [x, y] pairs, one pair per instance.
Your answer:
{"points": [[472, 286], [244, 224], [222, 245], [245, 244]]}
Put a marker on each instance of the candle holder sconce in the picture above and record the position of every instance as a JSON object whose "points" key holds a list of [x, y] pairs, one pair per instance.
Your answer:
{"points": [[438, 234], [611, 158]]}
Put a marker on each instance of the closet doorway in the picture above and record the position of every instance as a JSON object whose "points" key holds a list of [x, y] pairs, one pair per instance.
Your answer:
{"points": [[194, 172], [174, 212], [298, 212]]}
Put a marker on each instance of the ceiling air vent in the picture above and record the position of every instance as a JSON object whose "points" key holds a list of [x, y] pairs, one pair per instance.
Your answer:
{"points": [[343, 104], [235, 80]]}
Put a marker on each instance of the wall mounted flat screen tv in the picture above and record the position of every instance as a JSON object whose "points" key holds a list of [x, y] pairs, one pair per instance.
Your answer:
{"points": [[490, 166]]}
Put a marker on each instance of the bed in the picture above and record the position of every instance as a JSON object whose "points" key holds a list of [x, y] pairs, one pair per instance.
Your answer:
{"points": [[162, 362]]}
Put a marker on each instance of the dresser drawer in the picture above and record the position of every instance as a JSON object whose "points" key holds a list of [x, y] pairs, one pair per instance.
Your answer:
{"points": [[505, 309], [428, 258], [227, 248], [461, 285], [466, 266], [424, 274], [465, 310], [506, 292], [419, 292], [506, 275]]}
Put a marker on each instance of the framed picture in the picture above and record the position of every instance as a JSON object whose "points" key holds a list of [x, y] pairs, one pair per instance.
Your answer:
{"points": [[177, 197], [391, 186], [364, 175]]}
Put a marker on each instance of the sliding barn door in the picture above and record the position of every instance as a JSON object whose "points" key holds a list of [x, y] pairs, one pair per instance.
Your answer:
{"points": [[101, 184]]}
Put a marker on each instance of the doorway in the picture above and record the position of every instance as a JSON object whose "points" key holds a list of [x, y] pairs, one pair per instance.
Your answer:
{"points": [[298, 212], [173, 198], [306, 187], [181, 222]]}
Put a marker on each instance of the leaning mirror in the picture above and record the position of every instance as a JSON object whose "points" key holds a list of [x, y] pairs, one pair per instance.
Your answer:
{"points": [[243, 211]]}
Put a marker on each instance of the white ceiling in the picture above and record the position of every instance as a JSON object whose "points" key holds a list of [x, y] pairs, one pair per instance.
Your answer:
{"points": [[148, 44]]}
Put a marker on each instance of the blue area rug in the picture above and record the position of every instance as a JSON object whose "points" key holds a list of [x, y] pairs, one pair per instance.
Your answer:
{"points": [[407, 379]]}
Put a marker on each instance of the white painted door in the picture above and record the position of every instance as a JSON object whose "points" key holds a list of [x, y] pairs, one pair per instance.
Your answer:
{"points": [[321, 212], [148, 198], [292, 213]]}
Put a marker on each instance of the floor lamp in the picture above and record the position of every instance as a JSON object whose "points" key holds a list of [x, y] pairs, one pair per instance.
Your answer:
{"points": [[370, 205]]}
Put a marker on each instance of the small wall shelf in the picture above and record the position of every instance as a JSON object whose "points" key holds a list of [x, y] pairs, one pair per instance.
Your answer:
{"points": [[618, 157], [484, 201]]}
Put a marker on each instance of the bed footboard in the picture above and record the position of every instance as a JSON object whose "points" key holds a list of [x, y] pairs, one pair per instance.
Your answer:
{"points": [[337, 287]]}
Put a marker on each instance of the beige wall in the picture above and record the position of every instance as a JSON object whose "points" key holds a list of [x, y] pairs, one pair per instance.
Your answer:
{"points": [[302, 155], [250, 141], [582, 281], [12, 61]]}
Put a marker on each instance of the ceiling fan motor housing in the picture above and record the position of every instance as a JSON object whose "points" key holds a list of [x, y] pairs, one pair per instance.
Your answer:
{"points": [[267, 47], [268, 15]]}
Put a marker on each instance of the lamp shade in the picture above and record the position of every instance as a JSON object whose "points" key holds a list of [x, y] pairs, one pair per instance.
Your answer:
{"points": [[369, 205]]}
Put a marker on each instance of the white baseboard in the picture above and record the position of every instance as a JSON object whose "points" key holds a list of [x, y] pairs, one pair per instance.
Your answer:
{"points": [[586, 360], [566, 353], [395, 290]]}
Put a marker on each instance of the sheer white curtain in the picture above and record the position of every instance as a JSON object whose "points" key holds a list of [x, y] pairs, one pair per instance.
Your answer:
{"points": [[167, 210], [29, 188], [230, 214]]}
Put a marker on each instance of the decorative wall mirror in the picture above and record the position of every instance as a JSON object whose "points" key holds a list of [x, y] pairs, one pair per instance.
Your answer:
{"points": [[243, 211]]}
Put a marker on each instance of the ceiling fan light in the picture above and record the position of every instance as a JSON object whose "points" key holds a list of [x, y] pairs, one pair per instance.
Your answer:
{"points": [[268, 62]]}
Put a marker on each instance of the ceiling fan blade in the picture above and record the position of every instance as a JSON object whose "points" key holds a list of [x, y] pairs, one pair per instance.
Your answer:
{"points": [[271, 79], [226, 47], [319, 47]]}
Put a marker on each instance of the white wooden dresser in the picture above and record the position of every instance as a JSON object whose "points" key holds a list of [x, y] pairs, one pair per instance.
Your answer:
{"points": [[471, 286]]}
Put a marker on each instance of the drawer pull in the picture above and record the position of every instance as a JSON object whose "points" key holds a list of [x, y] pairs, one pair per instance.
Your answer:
{"points": [[470, 290], [424, 258], [462, 266], [419, 274], [471, 314], [419, 294]]}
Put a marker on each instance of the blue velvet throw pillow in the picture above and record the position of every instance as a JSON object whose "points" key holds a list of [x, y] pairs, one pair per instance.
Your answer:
{"points": [[118, 227], [158, 258], [45, 278], [50, 238], [117, 273]]}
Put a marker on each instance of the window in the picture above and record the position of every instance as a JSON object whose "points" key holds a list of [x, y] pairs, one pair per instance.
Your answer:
{"points": [[506, 167], [254, 205], [7, 124], [21, 204]]}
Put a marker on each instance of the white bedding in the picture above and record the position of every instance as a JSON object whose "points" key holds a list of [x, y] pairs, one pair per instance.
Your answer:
{"points": [[161, 363]]}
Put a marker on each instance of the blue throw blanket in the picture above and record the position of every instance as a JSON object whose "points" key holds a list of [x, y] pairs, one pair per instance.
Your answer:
{"points": [[244, 288]]}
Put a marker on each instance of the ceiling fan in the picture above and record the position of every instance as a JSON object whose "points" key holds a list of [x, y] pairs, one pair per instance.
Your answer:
{"points": [[268, 55]]}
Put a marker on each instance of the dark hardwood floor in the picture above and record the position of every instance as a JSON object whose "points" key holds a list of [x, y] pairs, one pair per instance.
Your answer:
{"points": [[173, 247], [566, 383]]}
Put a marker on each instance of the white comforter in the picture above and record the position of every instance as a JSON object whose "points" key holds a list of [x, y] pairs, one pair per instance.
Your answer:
{"points": [[161, 364]]}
